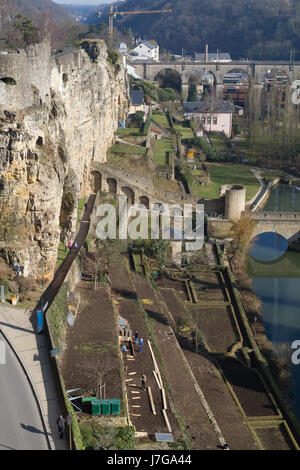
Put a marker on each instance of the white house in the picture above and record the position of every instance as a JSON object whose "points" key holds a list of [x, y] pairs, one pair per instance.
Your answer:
{"points": [[145, 50], [212, 116]]}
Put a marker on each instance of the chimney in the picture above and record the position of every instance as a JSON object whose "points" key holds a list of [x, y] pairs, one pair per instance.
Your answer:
{"points": [[206, 53]]}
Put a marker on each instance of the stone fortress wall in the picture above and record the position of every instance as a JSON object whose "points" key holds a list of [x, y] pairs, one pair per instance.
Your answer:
{"points": [[29, 69], [58, 114]]}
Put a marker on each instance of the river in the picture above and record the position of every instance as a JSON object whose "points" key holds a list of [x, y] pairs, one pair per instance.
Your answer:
{"points": [[276, 280]]}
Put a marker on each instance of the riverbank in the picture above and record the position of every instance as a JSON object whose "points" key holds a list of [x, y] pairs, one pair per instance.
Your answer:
{"points": [[261, 355]]}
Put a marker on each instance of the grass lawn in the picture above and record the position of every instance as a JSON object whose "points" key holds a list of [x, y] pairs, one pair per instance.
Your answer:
{"points": [[160, 148], [129, 149], [185, 132], [227, 173], [161, 119], [217, 141], [133, 132]]}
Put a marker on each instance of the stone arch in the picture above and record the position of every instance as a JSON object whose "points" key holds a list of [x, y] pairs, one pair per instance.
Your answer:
{"points": [[96, 181], [129, 193], [145, 201], [169, 78], [8, 80], [112, 185], [262, 228]]}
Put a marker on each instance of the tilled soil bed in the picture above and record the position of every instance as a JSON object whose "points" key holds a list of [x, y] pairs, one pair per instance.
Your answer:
{"points": [[95, 329], [248, 388], [273, 438], [142, 364], [213, 320], [179, 286], [208, 286], [175, 306], [235, 431]]}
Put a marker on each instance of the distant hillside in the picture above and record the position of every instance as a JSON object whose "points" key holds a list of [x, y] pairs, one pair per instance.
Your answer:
{"points": [[33, 8], [23, 22], [259, 29]]}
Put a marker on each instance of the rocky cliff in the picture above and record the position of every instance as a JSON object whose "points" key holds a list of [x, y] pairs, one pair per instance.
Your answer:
{"points": [[57, 115]]}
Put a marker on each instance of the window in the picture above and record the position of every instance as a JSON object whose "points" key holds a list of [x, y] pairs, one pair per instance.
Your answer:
{"points": [[203, 120], [215, 120], [209, 120]]}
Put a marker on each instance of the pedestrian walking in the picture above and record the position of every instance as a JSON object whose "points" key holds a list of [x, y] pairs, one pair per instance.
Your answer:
{"points": [[143, 381], [141, 345], [61, 426], [136, 338]]}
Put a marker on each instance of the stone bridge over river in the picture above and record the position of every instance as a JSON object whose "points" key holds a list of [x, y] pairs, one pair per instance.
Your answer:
{"points": [[286, 224]]}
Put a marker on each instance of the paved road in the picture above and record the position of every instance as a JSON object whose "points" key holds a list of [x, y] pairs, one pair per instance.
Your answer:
{"points": [[20, 423]]}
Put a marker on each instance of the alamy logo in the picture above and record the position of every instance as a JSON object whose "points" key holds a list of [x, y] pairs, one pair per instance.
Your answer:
{"points": [[173, 223], [296, 353], [2, 353], [296, 92]]}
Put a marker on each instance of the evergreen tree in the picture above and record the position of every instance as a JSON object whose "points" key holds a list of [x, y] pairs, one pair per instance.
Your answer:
{"points": [[192, 96]]}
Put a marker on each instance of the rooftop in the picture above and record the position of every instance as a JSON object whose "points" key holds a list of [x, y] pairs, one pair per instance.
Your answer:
{"points": [[137, 97], [150, 44], [213, 56], [222, 107]]}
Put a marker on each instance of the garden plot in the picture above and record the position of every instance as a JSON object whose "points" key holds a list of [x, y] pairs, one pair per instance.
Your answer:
{"points": [[175, 306], [94, 333], [208, 287], [178, 285], [273, 437], [142, 364], [248, 388], [217, 326]]}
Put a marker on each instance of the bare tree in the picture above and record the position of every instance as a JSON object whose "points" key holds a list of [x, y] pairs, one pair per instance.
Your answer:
{"points": [[97, 366], [93, 264]]}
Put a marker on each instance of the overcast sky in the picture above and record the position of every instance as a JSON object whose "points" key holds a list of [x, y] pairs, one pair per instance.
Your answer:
{"points": [[82, 2]]}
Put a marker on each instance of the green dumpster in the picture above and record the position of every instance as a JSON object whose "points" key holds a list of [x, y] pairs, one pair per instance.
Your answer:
{"points": [[105, 407], [115, 406], [96, 407]]}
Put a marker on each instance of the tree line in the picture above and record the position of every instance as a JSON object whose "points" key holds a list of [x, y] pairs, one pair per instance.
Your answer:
{"points": [[257, 29]]}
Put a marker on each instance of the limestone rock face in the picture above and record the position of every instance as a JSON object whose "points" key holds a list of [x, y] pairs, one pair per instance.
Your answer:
{"points": [[57, 116]]}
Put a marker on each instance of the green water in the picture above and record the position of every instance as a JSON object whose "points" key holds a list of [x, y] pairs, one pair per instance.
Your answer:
{"points": [[277, 284]]}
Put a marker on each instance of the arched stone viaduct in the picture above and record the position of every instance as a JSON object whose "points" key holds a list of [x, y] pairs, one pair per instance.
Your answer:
{"points": [[255, 70], [137, 188], [286, 224]]}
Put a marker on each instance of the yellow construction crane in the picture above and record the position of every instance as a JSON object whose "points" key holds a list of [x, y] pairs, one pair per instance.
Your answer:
{"points": [[113, 14]]}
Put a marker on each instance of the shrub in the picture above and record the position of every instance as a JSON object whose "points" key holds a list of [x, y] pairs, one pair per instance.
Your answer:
{"points": [[113, 57], [125, 438]]}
